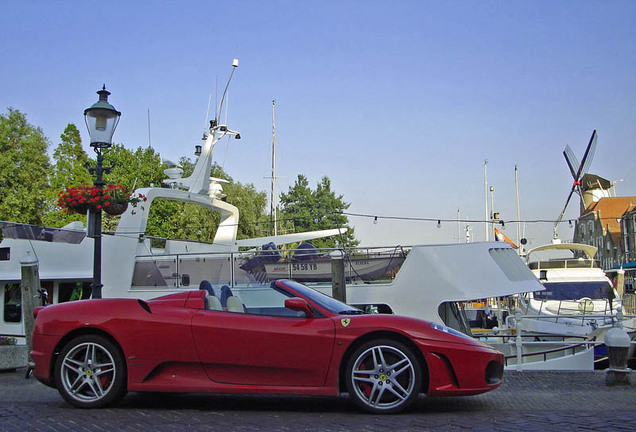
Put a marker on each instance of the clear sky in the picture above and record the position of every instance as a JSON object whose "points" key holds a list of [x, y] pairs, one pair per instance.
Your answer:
{"points": [[397, 102]]}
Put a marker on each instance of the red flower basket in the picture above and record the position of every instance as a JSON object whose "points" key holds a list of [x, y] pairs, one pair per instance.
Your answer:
{"points": [[113, 199]]}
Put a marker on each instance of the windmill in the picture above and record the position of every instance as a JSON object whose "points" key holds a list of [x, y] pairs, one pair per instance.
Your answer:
{"points": [[577, 174]]}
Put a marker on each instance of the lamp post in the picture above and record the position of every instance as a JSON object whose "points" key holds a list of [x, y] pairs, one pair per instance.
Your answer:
{"points": [[101, 121]]}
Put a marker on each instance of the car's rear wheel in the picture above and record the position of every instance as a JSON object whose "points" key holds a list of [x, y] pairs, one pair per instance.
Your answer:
{"points": [[90, 372], [383, 376]]}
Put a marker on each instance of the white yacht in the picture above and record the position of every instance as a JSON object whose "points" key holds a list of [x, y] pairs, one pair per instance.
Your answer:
{"points": [[578, 300]]}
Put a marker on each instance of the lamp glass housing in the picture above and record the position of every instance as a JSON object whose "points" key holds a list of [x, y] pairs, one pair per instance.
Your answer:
{"points": [[101, 121]]}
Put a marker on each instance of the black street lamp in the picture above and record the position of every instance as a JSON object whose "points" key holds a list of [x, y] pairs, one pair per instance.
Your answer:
{"points": [[101, 121]]}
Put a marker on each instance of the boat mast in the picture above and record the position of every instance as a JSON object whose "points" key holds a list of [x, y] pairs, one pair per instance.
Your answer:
{"points": [[199, 181], [518, 211], [149, 140], [273, 229], [486, 218]]}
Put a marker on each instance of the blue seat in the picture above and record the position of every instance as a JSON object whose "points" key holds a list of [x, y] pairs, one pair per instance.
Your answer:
{"points": [[207, 286], [226, 292]]}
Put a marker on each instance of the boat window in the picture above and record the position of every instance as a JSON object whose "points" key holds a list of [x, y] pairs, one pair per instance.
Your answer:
{"points": [[511, 265], [454, 317], [595, 290], [70, 291], [47, 287], [150, 272], [12, 303]]}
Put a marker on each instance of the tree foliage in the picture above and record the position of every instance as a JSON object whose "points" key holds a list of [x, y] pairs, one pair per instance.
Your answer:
{"points": [[318, 209], [69, 169], [24, 169], [134, 169], [252, 206]]}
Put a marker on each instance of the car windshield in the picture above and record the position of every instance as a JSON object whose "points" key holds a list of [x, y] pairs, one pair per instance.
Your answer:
{"points": [[328, 303], [595, 290]]}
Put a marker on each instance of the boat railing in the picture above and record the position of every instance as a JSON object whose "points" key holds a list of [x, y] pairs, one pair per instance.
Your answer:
{"points": [[187, 269], [615, 318], [350, 252], [569, 263], [568, 344], [14, 230], [566, 313], [564, 348], [522, 356]]}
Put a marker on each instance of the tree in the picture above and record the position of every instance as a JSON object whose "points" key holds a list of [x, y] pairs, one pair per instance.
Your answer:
{"points": [[69, 169], [251, 204], [134, 169], [24, 166], [317, 210]]}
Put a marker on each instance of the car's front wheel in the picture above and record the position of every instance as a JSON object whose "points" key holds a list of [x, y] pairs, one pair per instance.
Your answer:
{"points": [[383, 376], [90, 372]]}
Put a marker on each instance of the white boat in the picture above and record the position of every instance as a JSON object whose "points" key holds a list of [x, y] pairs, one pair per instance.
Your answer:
{"points": [[578, 300]]}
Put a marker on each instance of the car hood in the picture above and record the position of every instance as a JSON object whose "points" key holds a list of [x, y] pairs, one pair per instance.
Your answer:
{"points": [[411, 327]]}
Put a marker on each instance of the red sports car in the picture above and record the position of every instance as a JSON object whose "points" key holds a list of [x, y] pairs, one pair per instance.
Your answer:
{"points": [[284, 338]]}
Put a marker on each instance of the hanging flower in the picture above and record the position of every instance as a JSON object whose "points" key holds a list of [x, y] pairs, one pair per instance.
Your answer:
{"points": [[113, 199]]}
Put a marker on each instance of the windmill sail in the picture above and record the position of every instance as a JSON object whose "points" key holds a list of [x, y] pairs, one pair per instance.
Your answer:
{"points": [[577, 174]]}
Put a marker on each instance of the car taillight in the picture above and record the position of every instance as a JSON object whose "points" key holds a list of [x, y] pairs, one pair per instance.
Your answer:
{"points": [[36, 311]]}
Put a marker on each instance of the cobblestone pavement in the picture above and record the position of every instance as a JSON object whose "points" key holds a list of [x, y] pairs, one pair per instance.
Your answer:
{"points": [[527, 401]]}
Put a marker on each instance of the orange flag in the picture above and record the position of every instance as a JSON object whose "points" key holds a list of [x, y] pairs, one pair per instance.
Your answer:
{"points": [[499, 236]]}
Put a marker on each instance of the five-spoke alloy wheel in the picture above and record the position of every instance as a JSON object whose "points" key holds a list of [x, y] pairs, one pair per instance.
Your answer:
{"points": [[383, 376], [90, 372]]}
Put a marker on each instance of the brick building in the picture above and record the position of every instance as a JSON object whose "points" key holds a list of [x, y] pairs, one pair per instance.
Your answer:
{"points": [[628, 234], [601, 224]]}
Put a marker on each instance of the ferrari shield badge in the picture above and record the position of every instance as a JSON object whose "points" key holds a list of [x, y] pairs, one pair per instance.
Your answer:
{"points": [[345, 321]]}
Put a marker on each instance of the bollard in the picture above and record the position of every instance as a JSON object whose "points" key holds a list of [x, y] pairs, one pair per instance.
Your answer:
{"points": [[518, 340], [29, 286], [620, 282], [338, 286], [617, 342]]}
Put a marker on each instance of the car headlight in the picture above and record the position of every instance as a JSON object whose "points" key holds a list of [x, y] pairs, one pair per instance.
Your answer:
{"points": [[449, 330]]}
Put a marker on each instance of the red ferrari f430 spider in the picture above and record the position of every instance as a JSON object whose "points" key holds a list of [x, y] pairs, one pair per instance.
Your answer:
{"points": [[283, 338]]}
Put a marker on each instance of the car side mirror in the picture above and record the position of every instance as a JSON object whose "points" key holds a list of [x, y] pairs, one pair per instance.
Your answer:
{"points": [[299, 305]]}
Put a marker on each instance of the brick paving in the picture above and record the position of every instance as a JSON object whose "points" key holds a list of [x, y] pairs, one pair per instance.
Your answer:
{"points": [[527, 401]]}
